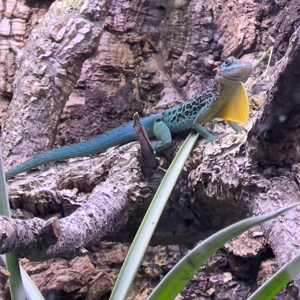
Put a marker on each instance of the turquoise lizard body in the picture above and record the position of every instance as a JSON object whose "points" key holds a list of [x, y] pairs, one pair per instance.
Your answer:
{"points": [[225, 98]]}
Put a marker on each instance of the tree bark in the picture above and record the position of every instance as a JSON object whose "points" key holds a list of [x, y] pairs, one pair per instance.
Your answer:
{"points": [[154, 54], [49, 67]]}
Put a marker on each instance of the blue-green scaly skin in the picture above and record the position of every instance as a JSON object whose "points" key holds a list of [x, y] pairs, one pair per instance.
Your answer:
{"points": [[182, 116], [120, 135], [191, 114]]}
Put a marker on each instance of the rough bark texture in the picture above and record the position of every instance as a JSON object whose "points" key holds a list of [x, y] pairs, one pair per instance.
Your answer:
{"points": [[93, 207], [48, 69], [152, 54]]}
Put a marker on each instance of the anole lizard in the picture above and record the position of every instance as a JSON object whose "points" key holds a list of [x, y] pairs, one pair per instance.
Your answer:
{"points": [[225, 98]]}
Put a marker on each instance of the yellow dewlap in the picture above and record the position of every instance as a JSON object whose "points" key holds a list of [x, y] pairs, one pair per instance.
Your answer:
{"points": [[237, 109]]}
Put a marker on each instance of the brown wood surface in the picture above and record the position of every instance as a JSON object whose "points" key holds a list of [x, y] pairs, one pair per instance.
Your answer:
{"points": [[110, 60]]}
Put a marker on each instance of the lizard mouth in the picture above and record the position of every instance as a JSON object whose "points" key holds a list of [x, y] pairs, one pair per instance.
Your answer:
{"points": [[238, 74]]}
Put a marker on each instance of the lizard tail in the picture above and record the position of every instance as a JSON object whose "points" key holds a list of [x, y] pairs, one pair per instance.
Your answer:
{"points": [[118, 136]]}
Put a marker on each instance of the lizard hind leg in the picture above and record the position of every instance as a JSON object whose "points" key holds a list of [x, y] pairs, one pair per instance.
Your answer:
{"points": [[163, 135]]}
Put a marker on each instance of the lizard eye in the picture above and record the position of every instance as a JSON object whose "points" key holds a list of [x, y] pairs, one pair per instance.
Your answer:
{"points": [[227, 62]]}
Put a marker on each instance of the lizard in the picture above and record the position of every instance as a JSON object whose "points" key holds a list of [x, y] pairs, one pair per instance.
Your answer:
{"points": [[224, 98]]}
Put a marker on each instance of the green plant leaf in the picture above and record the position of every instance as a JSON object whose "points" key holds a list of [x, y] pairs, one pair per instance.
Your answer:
{"points": [[30, 289], [276, 283], [12, 264], [184, 270], [270, 50], [148, 225]]}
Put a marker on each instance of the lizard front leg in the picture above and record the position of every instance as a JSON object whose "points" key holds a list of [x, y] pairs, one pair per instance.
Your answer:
{"points": [[204, 133], [163, 135], [201, 118], [235, 127]]}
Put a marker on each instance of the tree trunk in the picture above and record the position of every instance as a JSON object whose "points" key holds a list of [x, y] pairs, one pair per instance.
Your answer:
{"points": [[150, 56]]}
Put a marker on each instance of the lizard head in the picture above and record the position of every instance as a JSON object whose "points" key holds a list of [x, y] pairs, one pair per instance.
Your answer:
{"points": [[233, 70]]}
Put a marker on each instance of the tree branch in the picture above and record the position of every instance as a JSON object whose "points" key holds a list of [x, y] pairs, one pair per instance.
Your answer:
{"points": [[99, 213], [50, 65]]}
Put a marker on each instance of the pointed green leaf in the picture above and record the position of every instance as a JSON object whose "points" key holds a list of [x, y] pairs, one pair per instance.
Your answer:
{"points": [[184, 270], [276, 283], [148, 225], [17, 290]]}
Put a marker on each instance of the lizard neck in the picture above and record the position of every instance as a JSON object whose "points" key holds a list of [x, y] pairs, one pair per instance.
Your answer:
{"points": [[228, 88]]}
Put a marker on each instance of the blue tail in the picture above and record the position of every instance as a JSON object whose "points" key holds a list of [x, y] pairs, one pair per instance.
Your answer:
{"points": [[118, 136]]}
